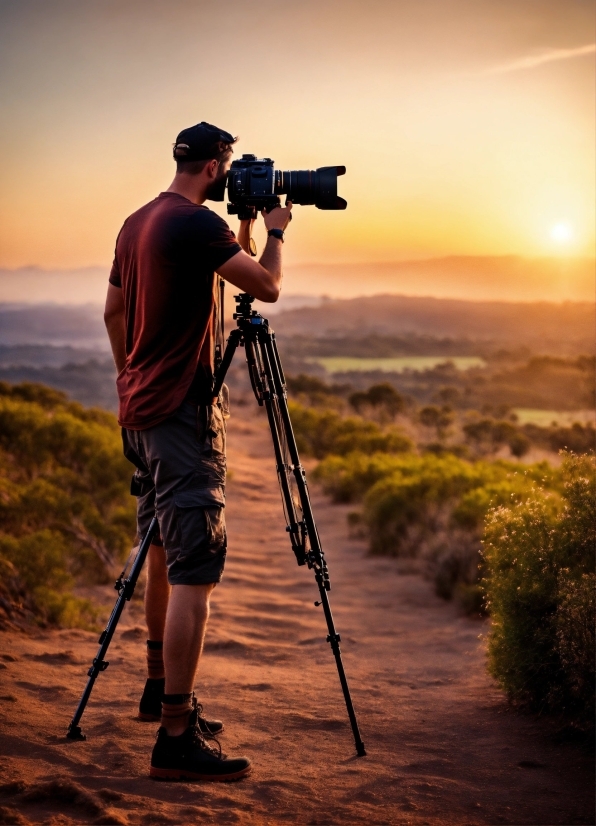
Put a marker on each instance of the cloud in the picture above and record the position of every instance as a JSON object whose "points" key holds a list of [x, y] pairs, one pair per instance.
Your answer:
{"points": [[537, 59]]}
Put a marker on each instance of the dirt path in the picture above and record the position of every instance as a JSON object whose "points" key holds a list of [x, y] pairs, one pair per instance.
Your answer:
{"points": [[442, 746]]}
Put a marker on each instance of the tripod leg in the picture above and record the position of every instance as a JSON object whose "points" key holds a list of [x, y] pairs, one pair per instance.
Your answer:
{"points": [[314, 557], [295, 528], [126, 589], [234, 340]]}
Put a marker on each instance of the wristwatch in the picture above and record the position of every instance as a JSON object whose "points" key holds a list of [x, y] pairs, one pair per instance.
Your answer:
{"points": [[277, 233]]}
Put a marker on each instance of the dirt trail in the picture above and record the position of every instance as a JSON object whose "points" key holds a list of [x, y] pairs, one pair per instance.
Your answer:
{"points": [[442, 746]]}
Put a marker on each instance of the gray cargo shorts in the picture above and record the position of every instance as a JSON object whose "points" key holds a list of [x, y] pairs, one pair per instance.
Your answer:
{"points": [[181, 476]]}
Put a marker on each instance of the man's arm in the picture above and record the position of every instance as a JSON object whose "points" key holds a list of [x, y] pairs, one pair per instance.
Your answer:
{"points": [[263, 278], [116, 326]]}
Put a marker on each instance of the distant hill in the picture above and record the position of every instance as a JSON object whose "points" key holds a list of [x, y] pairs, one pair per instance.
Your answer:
{"points": [[565, 328], [60, 286], [543, 327], [480, 278], [91, 383], [57, 325]]}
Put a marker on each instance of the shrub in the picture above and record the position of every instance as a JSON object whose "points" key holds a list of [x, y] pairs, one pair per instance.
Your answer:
{"points": [[383, 397], [437, 417], [65, 508], [40, 561], [348, 478], [314, 391], [323, 432], [539, 587], [575, 644], [432, 507], [419, 493]]}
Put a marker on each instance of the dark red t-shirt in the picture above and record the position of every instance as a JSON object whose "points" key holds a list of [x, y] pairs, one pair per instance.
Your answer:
{"points": [[166, 257]]}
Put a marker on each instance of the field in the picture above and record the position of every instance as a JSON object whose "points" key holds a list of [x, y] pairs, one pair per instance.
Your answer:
{"points": [[544, 418], [343, 364]]}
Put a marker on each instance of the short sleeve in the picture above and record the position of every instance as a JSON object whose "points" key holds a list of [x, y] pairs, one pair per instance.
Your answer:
{"points": [[115, 277], [216, 236]]}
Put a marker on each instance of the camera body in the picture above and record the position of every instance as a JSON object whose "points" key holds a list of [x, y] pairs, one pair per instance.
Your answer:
{"points": [[254, 184]]}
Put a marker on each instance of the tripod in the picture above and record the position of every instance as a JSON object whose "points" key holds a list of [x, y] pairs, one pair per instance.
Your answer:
{"points": [[268, 384]]}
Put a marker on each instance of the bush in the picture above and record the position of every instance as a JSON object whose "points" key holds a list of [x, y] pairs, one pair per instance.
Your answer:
{"points": [[577, 439], [437, 417], [314, 391], [422, 492], [323, 432], [382, 397], [431, 507], [65, 509], [539, 587], [348, 478]]}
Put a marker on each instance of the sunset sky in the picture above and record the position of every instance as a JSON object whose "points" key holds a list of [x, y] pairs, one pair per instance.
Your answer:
{"points": [[467, 128]]}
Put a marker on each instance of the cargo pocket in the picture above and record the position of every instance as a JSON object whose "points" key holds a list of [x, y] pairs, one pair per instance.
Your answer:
{"points": [[224, 401], [211, 431], [200, 521]]}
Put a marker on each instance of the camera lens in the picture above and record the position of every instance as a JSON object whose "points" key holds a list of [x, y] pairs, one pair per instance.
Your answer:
{"points": [[309, 186]]}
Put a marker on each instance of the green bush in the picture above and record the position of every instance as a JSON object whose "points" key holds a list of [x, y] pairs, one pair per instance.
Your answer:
{"points": [[315, 392], [66, 513], [421, 492], [380, 397], [347, 478], [539, 586], [442, 478], [323, 432], [431, 507]]}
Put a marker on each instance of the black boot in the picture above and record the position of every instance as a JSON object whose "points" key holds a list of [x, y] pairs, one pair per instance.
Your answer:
{"points": [[190, 757], [150, 705], [150, 708]]}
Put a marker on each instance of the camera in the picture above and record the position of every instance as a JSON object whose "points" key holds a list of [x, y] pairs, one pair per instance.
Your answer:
{"points": [[254, 185]]}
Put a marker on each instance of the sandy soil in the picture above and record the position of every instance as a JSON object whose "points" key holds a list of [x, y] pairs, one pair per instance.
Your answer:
{"points": [[443, 748]]}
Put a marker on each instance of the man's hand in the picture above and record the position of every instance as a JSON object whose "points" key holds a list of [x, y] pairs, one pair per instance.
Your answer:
{"points": [[279, 217], [263, 278]]}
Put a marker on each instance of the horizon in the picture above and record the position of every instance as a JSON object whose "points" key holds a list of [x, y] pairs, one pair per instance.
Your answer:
{"points": [[512, 279]]}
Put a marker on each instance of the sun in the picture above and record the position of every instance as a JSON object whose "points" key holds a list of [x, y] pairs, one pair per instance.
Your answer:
{"points": [[561, 233]]}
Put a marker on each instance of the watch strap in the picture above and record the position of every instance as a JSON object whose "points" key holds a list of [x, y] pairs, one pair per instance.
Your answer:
{"points": [[277, 233]]}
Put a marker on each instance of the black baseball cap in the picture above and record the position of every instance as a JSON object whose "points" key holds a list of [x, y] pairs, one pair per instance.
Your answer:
{"points": [[198, 143]]}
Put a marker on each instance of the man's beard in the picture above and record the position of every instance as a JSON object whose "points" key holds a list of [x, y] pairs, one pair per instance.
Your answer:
{"points": [[216, 191]]}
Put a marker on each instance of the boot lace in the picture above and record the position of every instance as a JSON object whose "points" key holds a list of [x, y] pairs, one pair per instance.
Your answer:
{"points": [[197, 736]]}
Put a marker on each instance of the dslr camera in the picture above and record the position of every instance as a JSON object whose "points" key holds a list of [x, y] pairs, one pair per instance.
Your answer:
{"points": [[254, 185]]}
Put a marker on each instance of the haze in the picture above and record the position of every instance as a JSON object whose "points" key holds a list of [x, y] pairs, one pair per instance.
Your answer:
{"points": [[467, 128]]}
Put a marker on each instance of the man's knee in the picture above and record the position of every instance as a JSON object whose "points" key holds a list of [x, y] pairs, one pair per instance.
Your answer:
{"points": [[193, 594]]}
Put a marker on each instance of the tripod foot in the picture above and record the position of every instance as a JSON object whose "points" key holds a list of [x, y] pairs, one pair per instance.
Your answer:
{"points": [[361, 751], [75, 733]]}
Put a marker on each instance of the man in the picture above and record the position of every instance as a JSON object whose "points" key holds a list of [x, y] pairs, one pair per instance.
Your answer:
{"points": [[160, 316]]}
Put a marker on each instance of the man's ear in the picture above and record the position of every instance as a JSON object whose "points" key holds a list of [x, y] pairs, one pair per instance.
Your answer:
{"points": [[212, 168]]}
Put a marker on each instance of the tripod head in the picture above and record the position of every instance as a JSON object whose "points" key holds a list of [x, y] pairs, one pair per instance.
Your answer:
{"points": [[244, 310]]}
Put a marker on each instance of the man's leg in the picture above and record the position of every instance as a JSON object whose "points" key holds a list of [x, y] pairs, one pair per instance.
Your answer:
{"points": [[187, 461], [180, 751], [186, 621], [157, 592]]}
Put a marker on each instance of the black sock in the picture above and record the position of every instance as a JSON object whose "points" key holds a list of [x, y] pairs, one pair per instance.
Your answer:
{"points": [[175, 708], [155, 670]]}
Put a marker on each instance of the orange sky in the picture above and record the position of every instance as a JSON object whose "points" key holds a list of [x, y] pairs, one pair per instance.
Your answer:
{"points": [[466, 127]]}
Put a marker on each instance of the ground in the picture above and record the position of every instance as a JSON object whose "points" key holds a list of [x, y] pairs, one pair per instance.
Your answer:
{"points": [[442, 745]]}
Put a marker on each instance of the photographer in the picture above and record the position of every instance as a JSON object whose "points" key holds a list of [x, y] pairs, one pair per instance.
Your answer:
{"points": [[160, 314]]}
